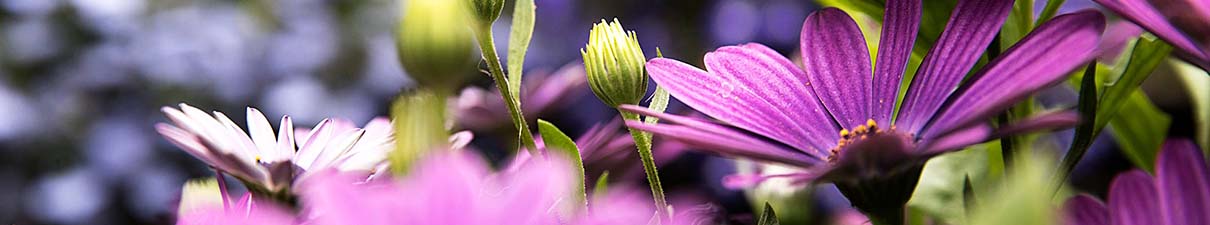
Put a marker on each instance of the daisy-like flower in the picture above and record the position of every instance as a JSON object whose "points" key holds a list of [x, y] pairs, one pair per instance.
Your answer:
{"points": [[1183, 23], [835, 115], [1179, 194], [271, 163]]}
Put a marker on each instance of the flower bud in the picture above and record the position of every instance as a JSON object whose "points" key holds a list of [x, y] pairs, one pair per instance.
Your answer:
{"points": [[435, 44], [614, 63], [486, 11]]}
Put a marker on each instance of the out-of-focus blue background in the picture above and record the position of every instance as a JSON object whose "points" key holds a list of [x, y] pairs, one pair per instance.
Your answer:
{"points": [[82, 81]]}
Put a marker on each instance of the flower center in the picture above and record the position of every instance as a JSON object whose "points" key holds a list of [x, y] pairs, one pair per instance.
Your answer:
{"points": [[868, 149]]}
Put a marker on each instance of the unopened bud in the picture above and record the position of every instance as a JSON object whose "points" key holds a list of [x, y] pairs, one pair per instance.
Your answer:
{"points": [[435, 43], [486, 11], [614, 63]]}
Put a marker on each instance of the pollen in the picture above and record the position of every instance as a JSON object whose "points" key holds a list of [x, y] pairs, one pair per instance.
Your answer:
{"points": [[859, 133]]}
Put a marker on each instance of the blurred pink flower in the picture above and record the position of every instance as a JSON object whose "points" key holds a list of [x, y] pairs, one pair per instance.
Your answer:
{"points": [[483, 110], [248, 211]]}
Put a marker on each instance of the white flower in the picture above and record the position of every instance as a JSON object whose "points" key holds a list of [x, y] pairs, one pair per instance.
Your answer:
{"points": [[274, 162]]}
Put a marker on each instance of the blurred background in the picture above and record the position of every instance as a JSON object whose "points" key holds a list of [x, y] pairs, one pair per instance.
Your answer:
{"points": [[82, 81]]}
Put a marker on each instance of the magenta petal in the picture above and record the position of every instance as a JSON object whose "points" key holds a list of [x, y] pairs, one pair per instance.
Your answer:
{"points": [[837, 63], [957, 140], [1141, 13], [1085, 210], [1133, 199], [1183, 183], [971, 27], [721, 140], [1048, 121], [900, 23], [1042, 58], [753, 88]]}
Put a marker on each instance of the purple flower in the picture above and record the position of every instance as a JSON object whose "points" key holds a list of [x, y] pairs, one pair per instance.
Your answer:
{"points": [[271, 162], [1183, 23], [1179, 194], [833, 116]]}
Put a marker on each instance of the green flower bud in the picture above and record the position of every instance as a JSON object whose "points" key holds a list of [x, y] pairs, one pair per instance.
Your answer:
{"points": [[487, 10], [435, 43], [614, 63]]}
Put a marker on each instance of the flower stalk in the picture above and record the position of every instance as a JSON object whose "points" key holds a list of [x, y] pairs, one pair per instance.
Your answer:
{"points": [[483, 34], [642, 141]]}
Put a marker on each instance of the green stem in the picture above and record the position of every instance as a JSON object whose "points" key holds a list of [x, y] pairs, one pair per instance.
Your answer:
{"points": [[488, 47], [643, 143]]}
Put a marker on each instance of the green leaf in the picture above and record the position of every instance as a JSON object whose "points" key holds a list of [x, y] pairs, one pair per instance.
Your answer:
{"points": [[659, 103], [1016, 199], [872, 8], [1196, 81], [1052, 8], [768, 217], [558, 142], [518, 43], [1086, 131], [1142, 133], [1020, 22], [602, 186], [940, 191], [1144, 58]]}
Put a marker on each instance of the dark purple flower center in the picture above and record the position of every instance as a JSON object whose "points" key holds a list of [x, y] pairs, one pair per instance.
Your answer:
{"points": [[869, 150]]}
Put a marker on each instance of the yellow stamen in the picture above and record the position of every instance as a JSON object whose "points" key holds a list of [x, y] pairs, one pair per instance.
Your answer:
{"points": [[844, 133]]}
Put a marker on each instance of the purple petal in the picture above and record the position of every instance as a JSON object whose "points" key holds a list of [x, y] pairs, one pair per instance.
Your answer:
{"points": [[720, 140], [837, 63], [1133, 199], [1042, 58], [1048, 121], [900, 22], [753, 88], [1085, 210], [1183, 183], [971, 27], [957, 140], [1140, 12]]}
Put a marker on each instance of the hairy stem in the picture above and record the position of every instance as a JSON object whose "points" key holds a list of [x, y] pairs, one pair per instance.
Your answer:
{"points": [[483, 34], [643, 143]]}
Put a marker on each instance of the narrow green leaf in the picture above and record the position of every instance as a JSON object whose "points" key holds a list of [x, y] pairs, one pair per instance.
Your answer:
{"points": [[659, 103], [518, 43], [1144, 58], [1086, 131], [768, 217], [968, 197], [602, 186], [1196, 81], [557, 141], [1052, 8], [1142, 133]]}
